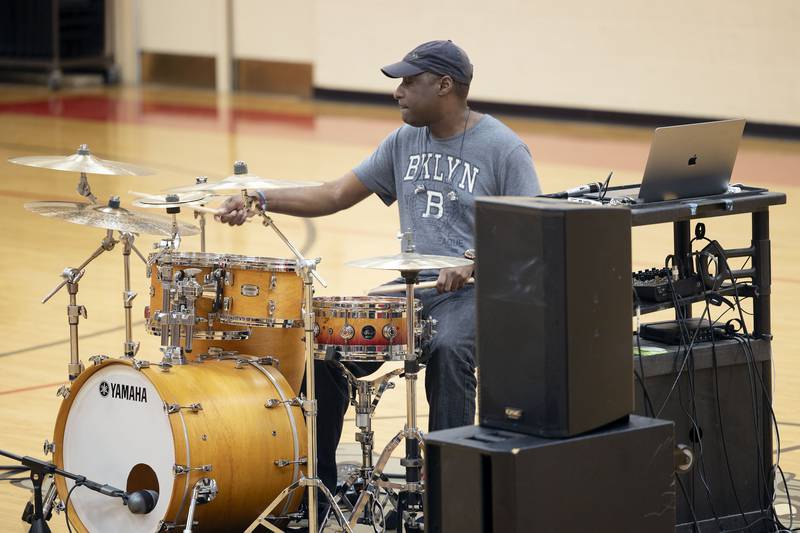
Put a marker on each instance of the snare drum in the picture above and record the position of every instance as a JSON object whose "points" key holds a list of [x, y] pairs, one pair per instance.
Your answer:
{"points": [[141, 428], [207, 323], [364, 328], [261, 291]]}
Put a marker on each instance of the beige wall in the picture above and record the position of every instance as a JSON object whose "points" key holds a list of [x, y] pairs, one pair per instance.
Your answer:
{"points": [[716, 58]]}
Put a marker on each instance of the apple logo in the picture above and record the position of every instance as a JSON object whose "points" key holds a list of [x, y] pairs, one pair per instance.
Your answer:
{"points": [[693, 160]]}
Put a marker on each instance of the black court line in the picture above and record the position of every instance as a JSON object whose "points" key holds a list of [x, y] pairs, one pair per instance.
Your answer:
{"points": [[66, 341]]}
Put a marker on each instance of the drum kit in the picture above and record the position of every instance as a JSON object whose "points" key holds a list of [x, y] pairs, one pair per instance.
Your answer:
{"points": [[216, 430]]}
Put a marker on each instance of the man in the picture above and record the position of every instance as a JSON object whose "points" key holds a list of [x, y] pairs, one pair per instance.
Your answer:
{"points": [[434, 167]]}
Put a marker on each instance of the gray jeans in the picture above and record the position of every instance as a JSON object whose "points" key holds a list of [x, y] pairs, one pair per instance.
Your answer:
{"points": [[450, 383]]}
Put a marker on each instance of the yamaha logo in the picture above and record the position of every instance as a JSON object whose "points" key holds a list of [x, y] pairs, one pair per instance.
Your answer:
{"points": [[122, 391]]}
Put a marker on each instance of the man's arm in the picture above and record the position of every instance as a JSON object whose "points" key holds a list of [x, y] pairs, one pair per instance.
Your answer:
{"points": [[326, 199]]}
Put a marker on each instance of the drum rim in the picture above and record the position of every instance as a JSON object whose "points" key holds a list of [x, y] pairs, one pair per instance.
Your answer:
{"points": [[364, 302], [212, 259], [254, 262]]}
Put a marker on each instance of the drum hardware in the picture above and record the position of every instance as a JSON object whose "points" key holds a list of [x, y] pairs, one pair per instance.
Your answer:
{"points": [[409, 263], [251, 290], [180, 470], [364, 397], [97, 359], [84, 162], [172, 408], [269, 404], [41, 471], [63, 391], [193, 200], [111, 217], [48, 447], [283, 463], [204, 491], [140, 364]]}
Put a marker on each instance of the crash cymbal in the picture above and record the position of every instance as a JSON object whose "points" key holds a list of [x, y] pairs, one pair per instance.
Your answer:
{"points": [[410, 262], [82, 161], [164, 201], [235, 183], [110, 216]]}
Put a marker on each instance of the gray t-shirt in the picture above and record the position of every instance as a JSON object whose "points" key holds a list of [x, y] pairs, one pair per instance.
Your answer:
{"points": [[436, 180]]}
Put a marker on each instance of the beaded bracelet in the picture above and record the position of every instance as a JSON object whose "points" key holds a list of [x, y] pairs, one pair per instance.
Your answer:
{"points": [[262, 200]]}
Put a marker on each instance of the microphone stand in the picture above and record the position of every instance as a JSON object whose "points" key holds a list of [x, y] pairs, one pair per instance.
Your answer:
{"points": [[39, 470]]}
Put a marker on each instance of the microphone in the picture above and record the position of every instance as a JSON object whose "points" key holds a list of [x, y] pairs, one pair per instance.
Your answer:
{"points": [[575, 191], [141, 501]]}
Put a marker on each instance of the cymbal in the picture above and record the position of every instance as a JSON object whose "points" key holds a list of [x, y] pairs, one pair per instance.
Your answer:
{"points": [[410, 262], [82, 161], [110, 216], [240, 182], [164, 201]]}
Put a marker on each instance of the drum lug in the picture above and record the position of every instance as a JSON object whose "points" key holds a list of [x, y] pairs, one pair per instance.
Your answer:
{"points": [[180, 470], [282, 463], [347, 332], [226, 304], [152, 289], [49, 447], [389, 332], [271, 308], [273, 281], [172, 408], [272, 402], [63, 391], [97, 359], [269, 361], [138, 365], [228, 278]]}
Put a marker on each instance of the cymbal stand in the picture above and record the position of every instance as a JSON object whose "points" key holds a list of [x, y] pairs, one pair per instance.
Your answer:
{"points": [[306, 270], [71, 278], [130, 347], [201, 216], [83, 185], [410, 497]]}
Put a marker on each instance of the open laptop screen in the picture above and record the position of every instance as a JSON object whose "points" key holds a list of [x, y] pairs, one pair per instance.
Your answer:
{"points": [[691, 160]]}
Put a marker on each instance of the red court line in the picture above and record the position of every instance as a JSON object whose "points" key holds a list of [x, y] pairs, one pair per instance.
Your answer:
{"points": [[101, 108], [34, 387]]}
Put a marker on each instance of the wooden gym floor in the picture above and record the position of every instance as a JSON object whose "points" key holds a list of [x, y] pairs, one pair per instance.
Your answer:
{"points": [[185, 133]]}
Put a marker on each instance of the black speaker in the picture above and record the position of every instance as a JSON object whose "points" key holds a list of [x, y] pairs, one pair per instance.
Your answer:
{"points": [[616, 479], [554, 304]]}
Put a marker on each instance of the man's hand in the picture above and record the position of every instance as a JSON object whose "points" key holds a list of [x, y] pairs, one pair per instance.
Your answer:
{"points": [[453, 279], [232, 211]]}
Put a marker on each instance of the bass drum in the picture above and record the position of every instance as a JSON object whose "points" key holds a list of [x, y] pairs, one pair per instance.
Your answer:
{"points": [[284, 344], [146, 428]]}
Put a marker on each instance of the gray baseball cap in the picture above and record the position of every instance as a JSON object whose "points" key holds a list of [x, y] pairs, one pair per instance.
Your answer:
{"points": [[438, 57]]}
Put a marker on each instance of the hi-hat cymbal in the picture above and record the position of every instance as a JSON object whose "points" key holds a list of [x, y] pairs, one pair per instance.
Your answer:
{"points": [[82, 161], [246, 181], [110, 216], [410, 262], [164, 201]]}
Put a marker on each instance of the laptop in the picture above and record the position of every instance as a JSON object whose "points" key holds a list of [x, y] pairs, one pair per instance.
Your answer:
{"points": [[687, 161]]}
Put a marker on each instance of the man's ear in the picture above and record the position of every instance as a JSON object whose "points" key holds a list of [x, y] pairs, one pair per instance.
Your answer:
{"points": [[446, 85]]}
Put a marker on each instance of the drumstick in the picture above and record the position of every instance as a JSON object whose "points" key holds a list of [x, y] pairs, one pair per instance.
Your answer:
{"points": [[401, 287]]}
